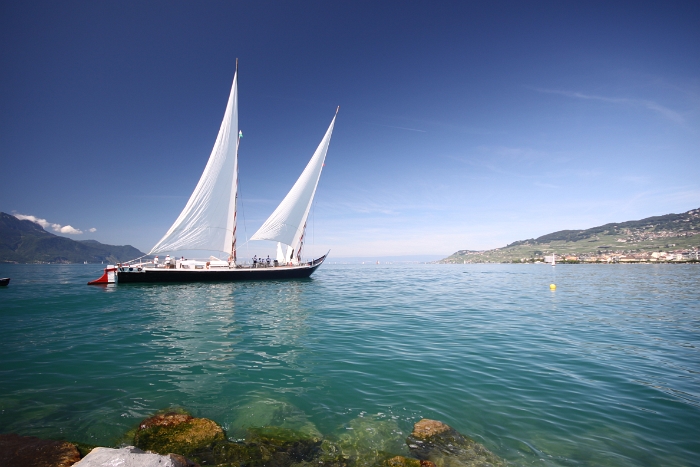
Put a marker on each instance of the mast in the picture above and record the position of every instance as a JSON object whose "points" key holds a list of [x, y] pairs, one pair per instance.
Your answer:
{"points": [[232, 256]]}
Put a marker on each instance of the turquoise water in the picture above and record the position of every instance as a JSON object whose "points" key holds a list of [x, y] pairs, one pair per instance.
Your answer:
{"points": [[603, 371]]}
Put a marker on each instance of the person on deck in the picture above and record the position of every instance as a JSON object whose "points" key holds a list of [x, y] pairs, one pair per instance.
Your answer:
{"points": [[155, 262], [268, 261]]}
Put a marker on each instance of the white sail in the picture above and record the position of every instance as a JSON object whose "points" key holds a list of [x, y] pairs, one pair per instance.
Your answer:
{"points": [[208, 221], [287, 223], [280, 255]]}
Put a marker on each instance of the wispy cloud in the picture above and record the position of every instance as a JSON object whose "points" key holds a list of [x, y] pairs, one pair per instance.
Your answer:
{"points": [[64, 229], [92, 230], [651, 105]]}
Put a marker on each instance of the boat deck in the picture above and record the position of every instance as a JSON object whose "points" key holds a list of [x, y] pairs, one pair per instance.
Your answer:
{"points": [[150, 273]]}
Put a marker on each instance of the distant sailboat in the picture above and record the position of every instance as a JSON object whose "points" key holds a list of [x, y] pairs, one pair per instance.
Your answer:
{"points": [[209, 220], [554, 260]]}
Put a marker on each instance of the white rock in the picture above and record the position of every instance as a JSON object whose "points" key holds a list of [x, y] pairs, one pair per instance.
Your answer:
{"points": [[127, 457]]}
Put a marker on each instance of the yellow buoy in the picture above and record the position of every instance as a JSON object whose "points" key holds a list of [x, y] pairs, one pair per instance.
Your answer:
{"points": [[552, 286]]}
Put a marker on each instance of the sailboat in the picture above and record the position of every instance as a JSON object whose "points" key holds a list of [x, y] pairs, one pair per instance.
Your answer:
{"points": [[209, 219]]}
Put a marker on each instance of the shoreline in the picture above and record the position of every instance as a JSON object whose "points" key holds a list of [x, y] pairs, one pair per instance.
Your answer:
{"points": [[174, 438]]}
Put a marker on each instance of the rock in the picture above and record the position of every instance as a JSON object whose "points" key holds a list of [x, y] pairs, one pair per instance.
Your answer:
{"points": [[165, 419], [21, 451], [266, 447], [266, 411], [177, 433], [401, 461], [440, 443], [84, 448], [426, 428], [329, 455], [295, 445], [370, 440], [131, 457]]}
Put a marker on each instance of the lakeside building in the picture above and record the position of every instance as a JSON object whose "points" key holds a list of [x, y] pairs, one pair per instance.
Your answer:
{"points": [[617, 256]]}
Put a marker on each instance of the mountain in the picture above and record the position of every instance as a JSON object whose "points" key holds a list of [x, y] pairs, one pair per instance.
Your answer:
{"points": [[654, 234], [23, 241]]}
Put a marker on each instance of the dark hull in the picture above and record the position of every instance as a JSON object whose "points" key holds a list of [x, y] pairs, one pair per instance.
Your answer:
{"points": [[4, 281], [225, 275]]}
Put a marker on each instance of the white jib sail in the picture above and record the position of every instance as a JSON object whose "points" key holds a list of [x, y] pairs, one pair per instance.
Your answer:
{"points": [[286, 224], [208, 220]]}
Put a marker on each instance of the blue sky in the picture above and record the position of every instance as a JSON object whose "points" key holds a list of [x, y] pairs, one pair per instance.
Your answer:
{"points": [[465, 125]]}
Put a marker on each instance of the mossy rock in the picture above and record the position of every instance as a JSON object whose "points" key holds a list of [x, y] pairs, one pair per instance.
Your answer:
{"points": [[281, 447], [169, 418], [438, 442], [17, 451], [263, 447], [266, 411], [178, 435], [84, 449], [401, 461], [370, 441]]}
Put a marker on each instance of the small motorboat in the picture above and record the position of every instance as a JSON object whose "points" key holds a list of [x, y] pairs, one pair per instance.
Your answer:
{"points": [[4, 281]]}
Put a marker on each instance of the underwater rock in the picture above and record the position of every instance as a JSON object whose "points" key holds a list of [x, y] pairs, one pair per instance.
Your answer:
{"points": [[401, 461], [131, 457], [265, 447], [446, 447], [370, 440], [165, 419], [28, 451], [294, 445], [177, 433], [266, 411], [330, 455]]}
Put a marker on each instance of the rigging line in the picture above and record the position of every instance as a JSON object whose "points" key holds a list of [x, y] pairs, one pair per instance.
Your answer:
{"points": [[131, 261]]}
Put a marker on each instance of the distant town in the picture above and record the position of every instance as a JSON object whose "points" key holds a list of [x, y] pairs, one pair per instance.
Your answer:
{"points": [[617, 256], [672, 238]]}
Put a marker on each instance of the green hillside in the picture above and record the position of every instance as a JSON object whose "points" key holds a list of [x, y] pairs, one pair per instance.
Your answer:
{"points": [[672, 233], [23, 241]]}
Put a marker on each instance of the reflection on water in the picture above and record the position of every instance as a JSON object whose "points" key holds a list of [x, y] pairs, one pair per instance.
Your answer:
{"points": [[207, 342]]}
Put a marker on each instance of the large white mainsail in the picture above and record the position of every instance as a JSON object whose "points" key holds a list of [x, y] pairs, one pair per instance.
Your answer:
{"points": [[287, 223], [208, 221]]}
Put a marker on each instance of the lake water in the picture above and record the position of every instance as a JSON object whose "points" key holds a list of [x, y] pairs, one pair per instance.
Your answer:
{"points": [[605, 370]]}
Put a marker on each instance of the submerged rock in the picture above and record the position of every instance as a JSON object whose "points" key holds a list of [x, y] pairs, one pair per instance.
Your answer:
{"points": [[440, 443], [205, 442], [131, 457], [295, 445], [369, 440], [28, 451], [265, 447], [266, 411], [401, 461], [177, 433], [165, 419]]}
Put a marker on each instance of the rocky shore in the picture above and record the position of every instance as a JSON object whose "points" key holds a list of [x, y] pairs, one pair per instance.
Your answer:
{"points": [[177, 439]]}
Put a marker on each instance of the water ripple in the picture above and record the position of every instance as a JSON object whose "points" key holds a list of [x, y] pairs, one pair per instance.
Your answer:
{"points": [[603, 371]]}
